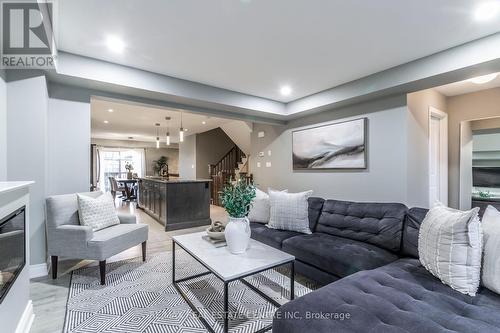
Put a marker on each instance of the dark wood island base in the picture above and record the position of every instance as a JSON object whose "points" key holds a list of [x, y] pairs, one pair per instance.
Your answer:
{"points": [[176, 204]]}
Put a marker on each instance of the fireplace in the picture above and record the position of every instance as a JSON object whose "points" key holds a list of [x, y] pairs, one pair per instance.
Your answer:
{"points": [[12, 249]]}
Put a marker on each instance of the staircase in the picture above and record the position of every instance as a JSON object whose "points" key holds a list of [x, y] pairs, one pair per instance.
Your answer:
{"points": [[233, 165]]}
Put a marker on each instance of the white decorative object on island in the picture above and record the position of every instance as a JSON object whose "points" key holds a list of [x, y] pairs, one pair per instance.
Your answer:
{"points": [[237, 234]]}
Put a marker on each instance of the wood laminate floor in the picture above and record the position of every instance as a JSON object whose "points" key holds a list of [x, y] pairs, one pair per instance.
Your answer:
{"points": [[49, 296]]}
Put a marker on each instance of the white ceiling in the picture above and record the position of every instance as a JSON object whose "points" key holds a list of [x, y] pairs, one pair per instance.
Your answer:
{"points": [[465, 87], [138, 121], [256, 46]]}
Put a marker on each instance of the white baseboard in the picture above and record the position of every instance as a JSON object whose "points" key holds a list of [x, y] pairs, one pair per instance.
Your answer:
{"points": [[24, 325], [39, 270]]}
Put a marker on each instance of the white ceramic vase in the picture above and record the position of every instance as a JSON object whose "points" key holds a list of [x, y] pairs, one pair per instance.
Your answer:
{"points": [[237, 234]]}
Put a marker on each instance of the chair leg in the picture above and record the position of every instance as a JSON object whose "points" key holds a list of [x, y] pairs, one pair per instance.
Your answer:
{"points": [[102, 271], [144, 251], [53, 261]]}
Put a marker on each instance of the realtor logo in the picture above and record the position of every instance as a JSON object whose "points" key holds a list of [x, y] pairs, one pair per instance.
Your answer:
{"points": [[26, 44]]}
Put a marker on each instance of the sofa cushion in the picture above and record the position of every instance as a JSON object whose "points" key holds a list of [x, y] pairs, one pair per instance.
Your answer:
{"points": [[315, 207], [450, 245], [336, 255], [491, 234], [399, 297], [97, 213], [289, 211], [271, 237], [414, 218], [379, 224]]}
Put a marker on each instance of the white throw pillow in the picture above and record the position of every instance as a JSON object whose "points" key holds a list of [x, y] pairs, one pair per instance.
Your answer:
{"points": [[491, 241], [260, 209], [289, 211], [97, 213], [450, 247]]}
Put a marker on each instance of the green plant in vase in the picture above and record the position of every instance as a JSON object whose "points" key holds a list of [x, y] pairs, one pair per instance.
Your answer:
{"points": [[236, 199]]}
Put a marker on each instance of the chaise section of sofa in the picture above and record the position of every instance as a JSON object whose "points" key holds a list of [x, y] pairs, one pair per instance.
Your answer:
{"points": [[399, 297]]}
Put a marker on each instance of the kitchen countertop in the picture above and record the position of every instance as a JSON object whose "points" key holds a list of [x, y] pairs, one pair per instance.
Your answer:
{"points": [[493, 198], [176, 181]]}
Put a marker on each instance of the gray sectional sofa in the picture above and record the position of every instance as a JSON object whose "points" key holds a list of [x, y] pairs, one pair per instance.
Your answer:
{"points": [[366, 256]]}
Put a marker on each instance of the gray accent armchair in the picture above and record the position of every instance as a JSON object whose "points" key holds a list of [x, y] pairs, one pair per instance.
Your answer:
{"points": [[67, 238]]}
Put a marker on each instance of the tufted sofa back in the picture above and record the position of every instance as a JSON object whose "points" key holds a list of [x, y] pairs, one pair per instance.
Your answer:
{"points": [[380, 224], [409, 244], [315, 207]]}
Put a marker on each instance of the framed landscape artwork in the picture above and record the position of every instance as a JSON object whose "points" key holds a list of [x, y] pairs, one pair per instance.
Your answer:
{"points": [[334, 146]]}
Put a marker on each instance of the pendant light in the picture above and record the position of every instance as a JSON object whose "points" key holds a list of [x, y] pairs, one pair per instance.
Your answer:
{"points": [[168, 130], [181, 131], [157, 135]]}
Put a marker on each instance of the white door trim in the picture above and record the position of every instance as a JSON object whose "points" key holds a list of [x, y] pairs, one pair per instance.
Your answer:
{"points": [[443, 171]]}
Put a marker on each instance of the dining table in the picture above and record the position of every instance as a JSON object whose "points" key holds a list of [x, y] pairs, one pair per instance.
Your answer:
{"points": [[128, 184]]}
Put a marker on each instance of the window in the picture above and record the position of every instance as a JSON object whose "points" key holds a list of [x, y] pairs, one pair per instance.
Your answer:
{"points": [[113, 161]]}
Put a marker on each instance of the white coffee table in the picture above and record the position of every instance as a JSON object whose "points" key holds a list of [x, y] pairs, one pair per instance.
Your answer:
{"points": [[229, 267]]}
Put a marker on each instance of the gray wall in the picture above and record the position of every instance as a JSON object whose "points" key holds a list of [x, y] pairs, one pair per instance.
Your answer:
{"points": [[473, 106], [418, 143], [68, 142], [187, 157], [211, 146], [3, 130], [385, 179], [27, 106], [48, 142]]}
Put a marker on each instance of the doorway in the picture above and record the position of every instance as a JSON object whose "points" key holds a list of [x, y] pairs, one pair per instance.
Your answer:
{"points": [[480, 163], [438, 156]]}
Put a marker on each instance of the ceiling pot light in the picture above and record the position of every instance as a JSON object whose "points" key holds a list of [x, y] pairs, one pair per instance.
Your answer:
{"points": [[157, 135], [115, 44], [106, 122], [204, 122], [110, 110], [487, 10], [483, 79], [286, 90]]}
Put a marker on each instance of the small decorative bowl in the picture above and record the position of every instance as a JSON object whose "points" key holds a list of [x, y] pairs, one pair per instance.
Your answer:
{"points": [[218, 235]]}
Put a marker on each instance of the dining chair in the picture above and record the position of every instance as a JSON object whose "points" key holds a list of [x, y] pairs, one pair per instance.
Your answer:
{"points": [[115, 188]]}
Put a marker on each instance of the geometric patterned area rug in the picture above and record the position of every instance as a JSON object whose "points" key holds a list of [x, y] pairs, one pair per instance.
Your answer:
{"points": [[140, 297]]}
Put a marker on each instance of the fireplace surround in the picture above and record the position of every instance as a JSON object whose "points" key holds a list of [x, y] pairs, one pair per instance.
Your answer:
{"points": [[12, 249]]}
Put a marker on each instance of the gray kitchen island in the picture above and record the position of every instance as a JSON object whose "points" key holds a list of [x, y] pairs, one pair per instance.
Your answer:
{"points": [[175, 203]]}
